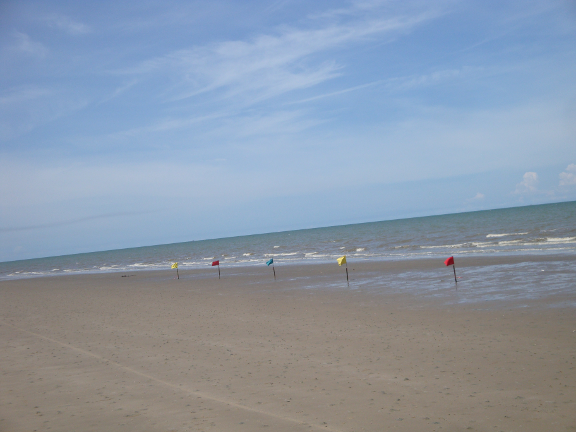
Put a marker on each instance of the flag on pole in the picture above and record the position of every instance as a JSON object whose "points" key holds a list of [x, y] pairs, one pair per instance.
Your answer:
{"points": [[217, 263], [450, 262], [175, 266], [271, 261], [342, 260]]}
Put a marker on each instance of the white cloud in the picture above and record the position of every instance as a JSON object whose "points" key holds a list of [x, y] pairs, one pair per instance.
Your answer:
{"points": [[568, 177], [274, 123], [68, 25], [24, 108], [529, 184], [336, 93], [478, 197], [407, 83], [24, 44], [21, 95], [268, 65]]}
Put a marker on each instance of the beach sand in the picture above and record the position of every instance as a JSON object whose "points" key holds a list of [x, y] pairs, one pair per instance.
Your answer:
{"points": [[148, 352]]}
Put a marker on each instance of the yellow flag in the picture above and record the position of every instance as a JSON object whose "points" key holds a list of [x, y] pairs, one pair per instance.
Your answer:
{"points": [[175, 265], [341, 260]]}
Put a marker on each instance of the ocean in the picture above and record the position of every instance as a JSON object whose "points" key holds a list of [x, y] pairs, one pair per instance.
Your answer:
{"points": [[545, 231]]}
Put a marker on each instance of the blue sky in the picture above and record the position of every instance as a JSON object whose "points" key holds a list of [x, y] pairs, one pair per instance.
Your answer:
{"points": [[136, 123]]}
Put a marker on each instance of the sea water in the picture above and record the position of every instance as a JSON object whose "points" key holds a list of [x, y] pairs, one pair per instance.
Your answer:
{"points": [[542, 230]]}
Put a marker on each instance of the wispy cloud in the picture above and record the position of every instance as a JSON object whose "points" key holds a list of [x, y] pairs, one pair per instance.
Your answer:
{"points": [[277, 5], [228, 77], [67, 24], [362, 8], [336, 93], [443, 76], [231, 124], [273, 64], [25, 108], [23, 94], [275, 123], [25, 45], [415, 81], [163, 125], [69, 222], [120, 90]]}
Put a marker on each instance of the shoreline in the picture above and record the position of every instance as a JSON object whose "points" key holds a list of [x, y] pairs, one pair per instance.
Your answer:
{"points": [[391, 264]]}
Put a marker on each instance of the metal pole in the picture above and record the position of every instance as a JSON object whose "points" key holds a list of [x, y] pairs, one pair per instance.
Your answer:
{"points": [[454, 267], [218, 271], [274, 270], [177, 274]]}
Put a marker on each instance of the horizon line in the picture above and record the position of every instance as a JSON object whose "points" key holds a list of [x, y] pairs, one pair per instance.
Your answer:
{"points": [[286, 231]]}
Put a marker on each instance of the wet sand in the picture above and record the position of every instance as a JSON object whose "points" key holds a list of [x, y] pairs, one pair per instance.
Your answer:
{"points": [[151, 353]]}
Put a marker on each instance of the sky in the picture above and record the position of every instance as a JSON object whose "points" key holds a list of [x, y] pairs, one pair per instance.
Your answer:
{"points": [[127, 124]]}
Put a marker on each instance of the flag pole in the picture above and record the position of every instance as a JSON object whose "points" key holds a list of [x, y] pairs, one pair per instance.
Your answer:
{"points": [[454, 267], [274, 270], [218, 269], [347, 280], [177, 274]]}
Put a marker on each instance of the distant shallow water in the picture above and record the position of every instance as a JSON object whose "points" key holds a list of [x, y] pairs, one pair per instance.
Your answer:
{"points": [[513, 283], [510, 283]]}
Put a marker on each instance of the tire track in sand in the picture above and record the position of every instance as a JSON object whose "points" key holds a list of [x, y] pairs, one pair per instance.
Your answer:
{"points": [[169, 384]]}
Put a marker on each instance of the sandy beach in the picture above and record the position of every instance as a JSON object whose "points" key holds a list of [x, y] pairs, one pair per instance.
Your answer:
{"points": [[144, 351]]}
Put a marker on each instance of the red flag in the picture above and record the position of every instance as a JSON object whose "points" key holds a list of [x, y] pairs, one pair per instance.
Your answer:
{"points": [[218, 263], [449, 261]]}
